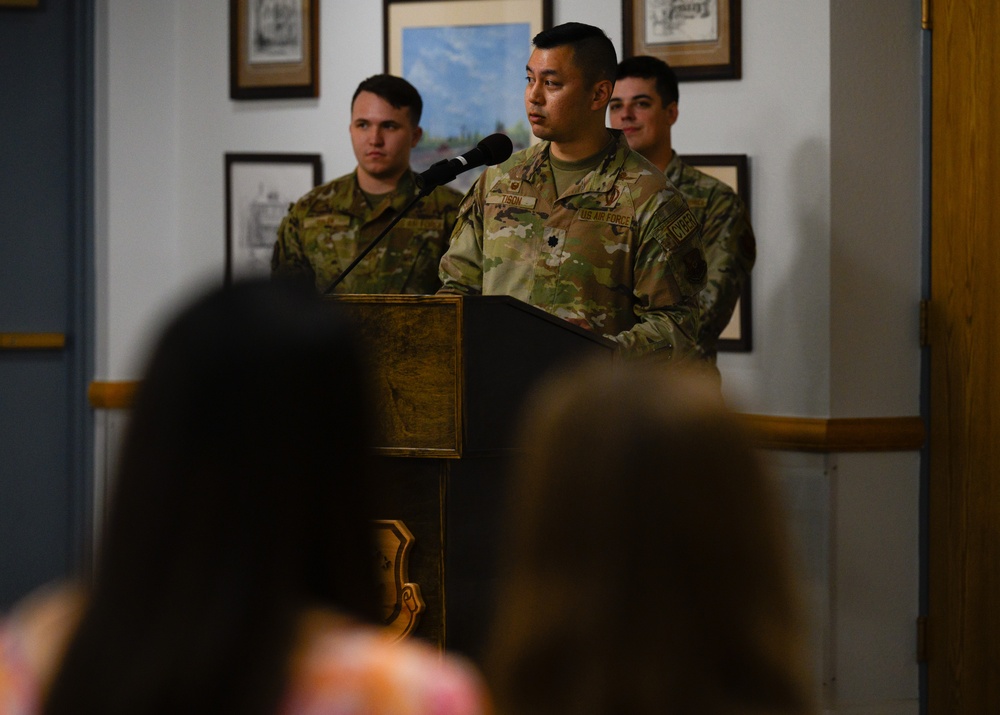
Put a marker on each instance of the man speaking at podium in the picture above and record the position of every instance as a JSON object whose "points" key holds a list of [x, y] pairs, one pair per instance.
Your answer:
{"points": [[327, 229], [580, 225]]}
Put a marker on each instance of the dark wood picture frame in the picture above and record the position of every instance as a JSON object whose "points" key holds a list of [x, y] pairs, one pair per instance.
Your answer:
{"points": [[20, 4], [273, 56], [710, 49], [734, 170], [259, 189]]}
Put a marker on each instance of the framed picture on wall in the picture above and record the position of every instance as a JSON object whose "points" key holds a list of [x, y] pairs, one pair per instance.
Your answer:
{"points": [[466, 58], [21, 4], [731, 169], [273, 49], [700, 39], [259, 189]]}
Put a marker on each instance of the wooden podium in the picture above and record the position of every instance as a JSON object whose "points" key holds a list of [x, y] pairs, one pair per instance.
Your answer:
{"points": [[450, 374]]}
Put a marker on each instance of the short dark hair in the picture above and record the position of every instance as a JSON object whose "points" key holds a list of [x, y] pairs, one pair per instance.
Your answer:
{"points": [[394, 90], [592, 49], [646, 67]]}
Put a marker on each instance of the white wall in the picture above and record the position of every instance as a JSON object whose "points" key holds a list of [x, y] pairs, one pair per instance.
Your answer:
{"points": [[828, 112]]}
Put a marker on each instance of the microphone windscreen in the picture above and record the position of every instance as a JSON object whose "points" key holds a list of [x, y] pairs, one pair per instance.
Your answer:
{"points": [[496, 148]]}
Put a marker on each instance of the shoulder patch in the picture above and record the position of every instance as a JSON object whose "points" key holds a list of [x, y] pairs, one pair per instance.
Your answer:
{"points": [[683, 225], [695, 267]]}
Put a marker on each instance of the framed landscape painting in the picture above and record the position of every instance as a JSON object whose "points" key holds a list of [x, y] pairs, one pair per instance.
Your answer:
{"points": [[466, 58]]}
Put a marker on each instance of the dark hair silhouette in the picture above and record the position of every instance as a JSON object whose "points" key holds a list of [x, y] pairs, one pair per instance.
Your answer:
{"points": [[593, 51], [241, 500], [648, 569], [647, 67], [394, 90]]}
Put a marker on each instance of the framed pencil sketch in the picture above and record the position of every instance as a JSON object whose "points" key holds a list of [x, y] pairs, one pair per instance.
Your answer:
{"points": [[731, 169], [700, 39], [466, 58], [273, 49], [259, 189]]}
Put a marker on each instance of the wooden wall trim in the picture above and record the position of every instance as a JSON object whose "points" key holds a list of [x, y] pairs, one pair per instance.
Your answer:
{"points": [[112, 395], [860, 434], [32, 341], [790, 434]]}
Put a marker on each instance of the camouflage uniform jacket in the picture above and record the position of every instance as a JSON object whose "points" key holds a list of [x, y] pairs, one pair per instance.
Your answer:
{"points": [[729, 244], [328, 227], [618, 252]]}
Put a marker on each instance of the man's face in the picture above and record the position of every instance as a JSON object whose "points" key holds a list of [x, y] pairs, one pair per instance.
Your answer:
{"points": [[636, 109], [382, 136], [557, 99]]}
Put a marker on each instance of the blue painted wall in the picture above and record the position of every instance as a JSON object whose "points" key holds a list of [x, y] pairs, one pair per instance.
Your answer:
{"points": [[46, 285]]}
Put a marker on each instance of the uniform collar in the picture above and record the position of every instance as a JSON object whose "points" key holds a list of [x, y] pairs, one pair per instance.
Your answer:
{"points": [[675, 168], [600, 181], [406, 189]]}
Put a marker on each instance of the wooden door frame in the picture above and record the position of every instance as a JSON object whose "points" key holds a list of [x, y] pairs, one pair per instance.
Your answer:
{"points": [[963, 622]]}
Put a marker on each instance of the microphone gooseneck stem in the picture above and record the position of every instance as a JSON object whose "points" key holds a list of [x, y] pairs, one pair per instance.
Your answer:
{"points": [[423, 191]]}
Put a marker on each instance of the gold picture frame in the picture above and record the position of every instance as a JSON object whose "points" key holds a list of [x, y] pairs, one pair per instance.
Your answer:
{"points": [[700, 40], [273, 49], [466, 58]]}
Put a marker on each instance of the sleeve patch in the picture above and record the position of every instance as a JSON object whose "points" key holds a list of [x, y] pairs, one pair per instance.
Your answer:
{"points": [[695, 267], [682, 226]]}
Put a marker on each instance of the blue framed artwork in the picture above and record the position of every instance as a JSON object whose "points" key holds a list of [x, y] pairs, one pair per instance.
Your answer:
{"points": [[466, 58]]}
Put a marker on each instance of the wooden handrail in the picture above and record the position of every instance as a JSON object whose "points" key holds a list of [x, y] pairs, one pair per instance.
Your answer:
{"points": [[32, 341], [852, 434], [790, 434], [112, 395]]}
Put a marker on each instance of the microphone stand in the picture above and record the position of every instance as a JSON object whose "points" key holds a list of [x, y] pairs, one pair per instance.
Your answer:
{"points": [[424, 191]]}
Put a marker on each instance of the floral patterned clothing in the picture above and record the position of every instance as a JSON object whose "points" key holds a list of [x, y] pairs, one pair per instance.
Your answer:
{"points": [[339, 668]]}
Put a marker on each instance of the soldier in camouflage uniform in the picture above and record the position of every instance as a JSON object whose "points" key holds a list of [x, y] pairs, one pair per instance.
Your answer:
{"points": [[327, 228], [579, 225], [644, 106]]}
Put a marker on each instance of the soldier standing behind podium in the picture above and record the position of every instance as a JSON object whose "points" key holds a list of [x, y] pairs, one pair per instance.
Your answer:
{"points": [[579, 225], [327, 228], [644, 106]]}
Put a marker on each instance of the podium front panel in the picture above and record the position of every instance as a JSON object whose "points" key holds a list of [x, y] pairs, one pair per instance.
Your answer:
{"points": [[412, 343]]}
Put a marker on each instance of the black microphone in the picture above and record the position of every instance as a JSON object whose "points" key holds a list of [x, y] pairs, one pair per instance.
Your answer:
{"points": [[492, 150]]}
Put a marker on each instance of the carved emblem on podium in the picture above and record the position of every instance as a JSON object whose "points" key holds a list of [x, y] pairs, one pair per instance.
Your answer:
{"points": [[402, 603]]}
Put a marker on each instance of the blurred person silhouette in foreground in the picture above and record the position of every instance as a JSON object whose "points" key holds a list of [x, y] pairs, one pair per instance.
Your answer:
{"points": [[648, 567], [236, 571]]}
